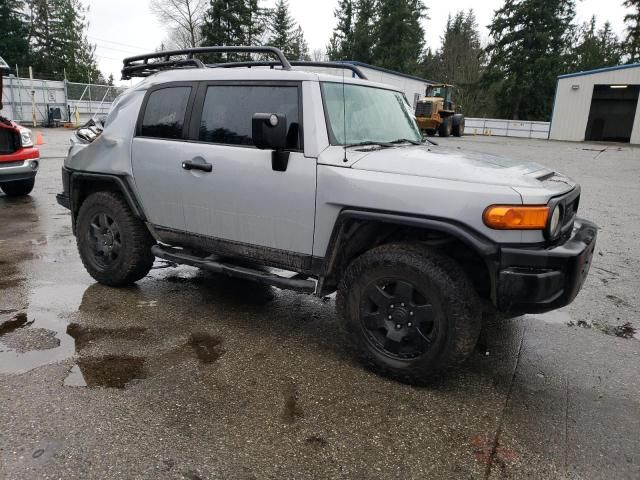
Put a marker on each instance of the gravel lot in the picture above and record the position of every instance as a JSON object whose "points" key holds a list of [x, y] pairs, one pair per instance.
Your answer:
{"points": [[186, 376]]}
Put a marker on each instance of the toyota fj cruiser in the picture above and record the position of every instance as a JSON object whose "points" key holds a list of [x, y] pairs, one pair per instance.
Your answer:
{"points": [[239, 166]]}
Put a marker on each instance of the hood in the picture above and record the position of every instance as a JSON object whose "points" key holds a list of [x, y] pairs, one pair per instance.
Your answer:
{"points": [[454, 164]]}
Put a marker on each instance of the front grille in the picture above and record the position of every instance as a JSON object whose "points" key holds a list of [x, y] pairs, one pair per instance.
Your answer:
{"points": [[9, 141], [17, 163], [424, 109]]}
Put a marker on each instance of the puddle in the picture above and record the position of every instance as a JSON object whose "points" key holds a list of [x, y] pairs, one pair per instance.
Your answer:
{"points": [[206, 347], [111, 371], [84, 336], [75, 378]]}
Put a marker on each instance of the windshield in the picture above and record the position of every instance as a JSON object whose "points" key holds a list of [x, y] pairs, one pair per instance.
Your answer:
{"points": [[436, 92], [371, 114]]}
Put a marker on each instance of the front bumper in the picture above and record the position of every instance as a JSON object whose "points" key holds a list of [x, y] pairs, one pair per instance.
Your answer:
{"points": [[540, 280], [427, 123], [19, 169]]}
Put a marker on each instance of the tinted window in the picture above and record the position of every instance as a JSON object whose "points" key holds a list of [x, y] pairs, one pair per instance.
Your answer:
{"points": [[165, 112], [227, 112]]}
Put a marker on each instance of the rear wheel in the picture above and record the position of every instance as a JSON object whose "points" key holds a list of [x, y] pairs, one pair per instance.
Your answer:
{"points": [[410, 312], [19, 187], [114, 245], [445, 127]]}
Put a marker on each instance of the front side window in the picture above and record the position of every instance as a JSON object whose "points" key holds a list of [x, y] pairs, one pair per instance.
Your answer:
{"points": [[358, 113], [165, 113], [228, 110]]}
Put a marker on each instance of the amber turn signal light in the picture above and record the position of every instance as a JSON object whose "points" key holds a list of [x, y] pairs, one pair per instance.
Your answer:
{"points": [[516, 217]]}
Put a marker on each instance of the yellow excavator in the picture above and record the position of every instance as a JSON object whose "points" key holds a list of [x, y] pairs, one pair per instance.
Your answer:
{"points": [[436, 112]]}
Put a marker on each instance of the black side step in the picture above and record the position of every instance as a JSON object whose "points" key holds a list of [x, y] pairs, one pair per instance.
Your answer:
{"points": [[179, 256]]}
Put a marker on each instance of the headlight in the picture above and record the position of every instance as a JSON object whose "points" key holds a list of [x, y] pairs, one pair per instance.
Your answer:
{"points": [[25, 138], [554, 222]]}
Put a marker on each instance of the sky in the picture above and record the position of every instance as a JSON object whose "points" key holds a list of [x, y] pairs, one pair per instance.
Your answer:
{"points": [[122, 28]]}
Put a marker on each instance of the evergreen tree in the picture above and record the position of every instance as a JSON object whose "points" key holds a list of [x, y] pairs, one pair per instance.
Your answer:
{"points": [[286, 34], [59, 42], [632, 21], [341, 42], [459, 60], [299, 46], [528, 50], [596, 49], [233, 23], [399, 34], [14, 43], [364, 31]]}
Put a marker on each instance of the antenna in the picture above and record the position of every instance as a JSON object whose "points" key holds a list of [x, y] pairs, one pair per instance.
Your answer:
{"points": [[344, 119]]}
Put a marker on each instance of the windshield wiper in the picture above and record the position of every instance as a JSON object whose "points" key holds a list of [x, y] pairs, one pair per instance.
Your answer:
{"points": [[406, 140], [369, 142]]}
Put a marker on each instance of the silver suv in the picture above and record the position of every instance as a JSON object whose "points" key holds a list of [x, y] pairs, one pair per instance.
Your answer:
{"points": [[238, 166]]}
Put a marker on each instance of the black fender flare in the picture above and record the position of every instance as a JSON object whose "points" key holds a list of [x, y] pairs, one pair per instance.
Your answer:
{"points": [[482, 245], [120, 183]]}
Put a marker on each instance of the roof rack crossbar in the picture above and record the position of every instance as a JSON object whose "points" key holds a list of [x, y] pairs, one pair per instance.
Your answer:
{"points": [[294, 63], [139, 65]]}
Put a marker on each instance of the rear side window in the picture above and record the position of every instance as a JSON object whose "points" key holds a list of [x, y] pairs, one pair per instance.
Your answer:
{"points": [[165, 113], [227, 112]]}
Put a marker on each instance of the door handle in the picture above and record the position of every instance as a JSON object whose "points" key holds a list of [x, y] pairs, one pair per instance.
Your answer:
{"points": [[190, 165]]}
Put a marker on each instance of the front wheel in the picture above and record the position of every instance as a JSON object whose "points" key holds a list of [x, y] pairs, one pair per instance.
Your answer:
{"points": [[410, 312], [458, 125], [18, 187], [114, 245], [445, 127]]}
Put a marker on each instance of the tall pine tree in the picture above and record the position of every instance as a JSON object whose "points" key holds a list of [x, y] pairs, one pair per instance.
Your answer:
{"points": [[596, 48], [58, 40], [632, 21], [459, 60], [286, 34], [364, 31], [341, 43], [399, 34], [233, 23], [528, 50], [14, 43]]}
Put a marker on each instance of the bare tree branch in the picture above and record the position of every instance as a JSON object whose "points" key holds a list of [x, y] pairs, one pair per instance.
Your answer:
{"points": [[182, 18]]}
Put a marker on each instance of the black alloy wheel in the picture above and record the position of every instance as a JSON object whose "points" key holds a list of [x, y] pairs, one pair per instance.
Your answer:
{"points": [[398, 319]]}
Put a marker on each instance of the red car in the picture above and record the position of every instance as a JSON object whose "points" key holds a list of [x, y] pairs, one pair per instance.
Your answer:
{"points": [[19, 159]]}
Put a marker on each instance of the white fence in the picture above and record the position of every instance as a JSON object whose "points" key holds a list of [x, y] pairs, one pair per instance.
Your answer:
{"points": [[506, 128]]}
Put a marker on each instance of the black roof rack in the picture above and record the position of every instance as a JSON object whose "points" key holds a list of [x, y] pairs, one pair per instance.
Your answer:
{"points": [[295, 63], [140, 66]]}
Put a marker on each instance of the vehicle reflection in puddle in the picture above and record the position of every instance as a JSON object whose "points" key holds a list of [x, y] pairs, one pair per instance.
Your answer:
{"points": [[111, 371]]}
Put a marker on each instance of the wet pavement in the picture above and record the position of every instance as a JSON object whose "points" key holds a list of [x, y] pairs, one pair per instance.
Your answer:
{"points": [[186, 375]]}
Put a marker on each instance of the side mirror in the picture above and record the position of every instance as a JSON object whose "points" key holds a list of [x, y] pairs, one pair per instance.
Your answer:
{"points": [[269, 131]]}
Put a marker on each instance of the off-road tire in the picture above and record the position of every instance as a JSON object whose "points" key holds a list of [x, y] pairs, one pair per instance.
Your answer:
{"points": [[458, 125], [135, 259], [18, 187], [445, 127], [452, 295]]}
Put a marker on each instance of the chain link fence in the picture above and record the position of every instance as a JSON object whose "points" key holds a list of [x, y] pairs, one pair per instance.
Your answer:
{"points": [[54, 102]]}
